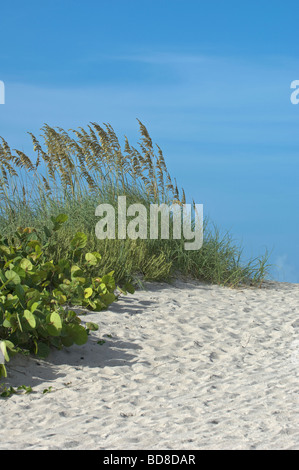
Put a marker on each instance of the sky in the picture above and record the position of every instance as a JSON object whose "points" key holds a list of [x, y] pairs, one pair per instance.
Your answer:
{"points": [[211, 81]]}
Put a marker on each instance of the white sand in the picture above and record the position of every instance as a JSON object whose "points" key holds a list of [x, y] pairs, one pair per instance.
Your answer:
{"points": [[188, 366]]}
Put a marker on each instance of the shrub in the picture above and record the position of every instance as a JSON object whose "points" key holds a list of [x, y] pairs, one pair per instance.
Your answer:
{"points": [[35, 292]]}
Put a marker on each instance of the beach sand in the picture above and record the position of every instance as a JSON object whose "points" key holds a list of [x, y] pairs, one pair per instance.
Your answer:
{"points": [[183, 366]]}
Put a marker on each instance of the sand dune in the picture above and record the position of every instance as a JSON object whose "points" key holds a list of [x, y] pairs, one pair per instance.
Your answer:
{"points": [[186, 366]]}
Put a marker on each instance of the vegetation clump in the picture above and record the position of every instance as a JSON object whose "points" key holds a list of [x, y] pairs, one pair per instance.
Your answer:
{"points": [[36, 294], [73, 172]]}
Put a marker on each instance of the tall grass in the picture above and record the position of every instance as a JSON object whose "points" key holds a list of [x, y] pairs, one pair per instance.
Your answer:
{"points": [[73, 172]]}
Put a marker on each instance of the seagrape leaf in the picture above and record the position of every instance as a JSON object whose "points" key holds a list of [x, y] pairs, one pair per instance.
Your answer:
{"points": [[64, 264], [130, 288], [87, 292], [12, 276], [97, 305], [79, 240], [54, 324], [74, 269], [77, 333], [97, 255], [47, 231], [35, 245], [26, 264], [103, 287], [3, 373], [20, 292], [60, 219], [2, 278], [20, 272], [91, 259], [6, 323], [108, 279], [3, 350], [92, 326], [34, 306], [4, 345], [71, 315], [43, 350], [67, 341], [59, 296], [108, 298], [5, 249], [30, 318], [92, 304]]}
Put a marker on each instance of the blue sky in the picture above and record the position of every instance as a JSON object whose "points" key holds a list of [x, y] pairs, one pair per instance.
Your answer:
{"points": [[210, 80]]}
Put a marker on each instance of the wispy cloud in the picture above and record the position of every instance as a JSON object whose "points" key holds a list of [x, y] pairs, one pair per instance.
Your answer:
{"points": [[203, 98], [164, 58]]}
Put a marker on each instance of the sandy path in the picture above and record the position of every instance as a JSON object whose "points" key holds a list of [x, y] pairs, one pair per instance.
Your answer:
{"points": [[188, 366]]}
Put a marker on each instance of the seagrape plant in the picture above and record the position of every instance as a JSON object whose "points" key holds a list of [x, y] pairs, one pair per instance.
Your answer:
{"points": [[36, 294]]}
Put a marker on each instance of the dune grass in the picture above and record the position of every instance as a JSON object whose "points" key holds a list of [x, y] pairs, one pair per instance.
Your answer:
{"points": [[73, 172]]}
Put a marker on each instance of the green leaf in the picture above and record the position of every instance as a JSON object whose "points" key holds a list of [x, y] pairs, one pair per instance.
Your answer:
{"points": [[92, 326], [43, 350], [91, 259], [4, 345], [35, 244], [75, 269], [47, 232], [77, 333], [97, 255], [3, 373], [26, 264], [30, 318], [3, 350], [79, 241], [34, 306], [87, 292], [24, 387], [5, 249], [64, 264], [67, 341], [130, 288], [35, 346], [59, 296], [54, 324], [108, 298], [103, 287], [92, 304], [97, 305], [20, 272], [12, 276], [2, 277], [20, 292], [6, 323], [19, 322], [61, 218]]}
